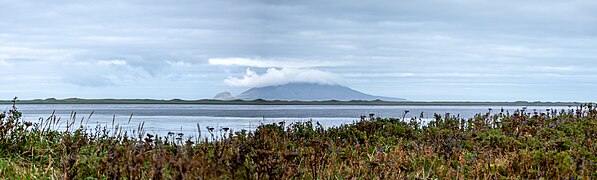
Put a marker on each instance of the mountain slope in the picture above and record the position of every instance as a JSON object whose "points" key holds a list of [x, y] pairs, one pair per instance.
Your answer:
{"points": [[308, 92]]}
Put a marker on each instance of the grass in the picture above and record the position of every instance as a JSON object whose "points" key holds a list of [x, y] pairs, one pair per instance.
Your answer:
{"points": [[552, 144]]}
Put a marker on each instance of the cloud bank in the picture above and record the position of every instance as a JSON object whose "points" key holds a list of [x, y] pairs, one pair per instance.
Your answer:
{"points": [[278, 72], [275, 76], [282, 63]]}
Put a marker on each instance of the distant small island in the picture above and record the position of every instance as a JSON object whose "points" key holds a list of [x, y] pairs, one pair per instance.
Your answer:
{"points": [[280, 102]]}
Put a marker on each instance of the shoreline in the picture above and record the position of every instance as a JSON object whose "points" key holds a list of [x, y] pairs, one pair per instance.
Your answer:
{"points": [[278, 102]]}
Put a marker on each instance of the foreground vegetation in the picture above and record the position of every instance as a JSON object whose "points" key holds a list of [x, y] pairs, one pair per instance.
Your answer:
{"points": [[554, 144]]}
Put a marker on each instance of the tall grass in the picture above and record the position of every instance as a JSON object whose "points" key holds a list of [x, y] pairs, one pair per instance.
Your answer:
{"points": [[553, 144]]}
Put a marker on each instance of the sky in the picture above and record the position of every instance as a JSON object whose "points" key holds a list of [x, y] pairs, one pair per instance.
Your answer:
{"points": [[423, 50]]}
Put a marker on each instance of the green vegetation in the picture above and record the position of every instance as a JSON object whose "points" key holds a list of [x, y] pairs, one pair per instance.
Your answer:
{"points": [[278, 102], [557, 144]]}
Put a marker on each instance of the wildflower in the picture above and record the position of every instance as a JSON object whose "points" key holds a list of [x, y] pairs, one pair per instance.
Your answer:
{"points": [[459, 168], [343, 140], [294, 150]]}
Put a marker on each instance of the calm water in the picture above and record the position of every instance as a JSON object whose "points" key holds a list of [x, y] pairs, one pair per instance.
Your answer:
{"points": [[163, 118]]}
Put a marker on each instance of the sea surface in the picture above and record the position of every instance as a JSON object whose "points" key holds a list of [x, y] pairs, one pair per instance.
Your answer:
{"points": [[189, 119]]}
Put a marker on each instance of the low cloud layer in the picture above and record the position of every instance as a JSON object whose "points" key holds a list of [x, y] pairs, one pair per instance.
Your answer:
{"points": [[281, 63], [278, 72], [281, 76]]}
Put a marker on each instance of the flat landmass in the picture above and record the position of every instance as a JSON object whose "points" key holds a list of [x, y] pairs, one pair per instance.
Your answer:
{"points": [[278, 102]]}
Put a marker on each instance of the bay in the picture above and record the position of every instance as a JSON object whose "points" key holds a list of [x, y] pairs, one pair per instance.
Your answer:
{"points": [[193, 120]]}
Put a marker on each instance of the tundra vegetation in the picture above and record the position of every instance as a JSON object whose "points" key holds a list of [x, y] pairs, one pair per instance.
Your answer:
{"points": [[524, 144]]}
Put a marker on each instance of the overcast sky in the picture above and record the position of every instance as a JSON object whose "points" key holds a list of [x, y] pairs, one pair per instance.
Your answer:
{"points": [[419, 50]]}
